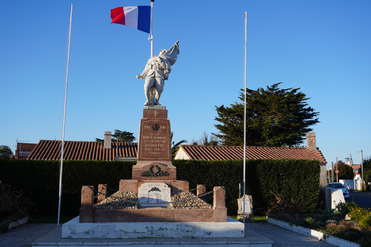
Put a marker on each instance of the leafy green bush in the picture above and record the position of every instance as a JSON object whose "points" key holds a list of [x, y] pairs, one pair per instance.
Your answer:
{"points": [[357, 214], [365, 222]]}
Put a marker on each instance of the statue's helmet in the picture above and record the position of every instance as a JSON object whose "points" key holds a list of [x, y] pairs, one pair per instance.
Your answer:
{"points": [[162, 52]]}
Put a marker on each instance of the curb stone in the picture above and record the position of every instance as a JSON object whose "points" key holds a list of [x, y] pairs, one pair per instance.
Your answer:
{"points": [[313, 233], [17, 223], [13, 224]]}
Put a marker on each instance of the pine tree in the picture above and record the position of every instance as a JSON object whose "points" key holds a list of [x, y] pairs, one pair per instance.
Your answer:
{"points": [[275, 117]]}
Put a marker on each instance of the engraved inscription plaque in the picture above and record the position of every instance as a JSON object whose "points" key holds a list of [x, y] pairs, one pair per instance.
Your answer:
{"points": [[154, 143]]}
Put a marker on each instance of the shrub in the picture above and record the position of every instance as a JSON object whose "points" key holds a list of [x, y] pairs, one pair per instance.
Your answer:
{"points": [[352, 234], [357, 214], [365, 222], [309, 221], [13, 203], [331, 228]]}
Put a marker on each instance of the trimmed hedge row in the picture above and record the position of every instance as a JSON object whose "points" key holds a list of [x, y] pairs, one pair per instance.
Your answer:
{"points": [[294, 180]]}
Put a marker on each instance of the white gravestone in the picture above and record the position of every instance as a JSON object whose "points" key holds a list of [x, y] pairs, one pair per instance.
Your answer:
{"points": [[154, 195]]}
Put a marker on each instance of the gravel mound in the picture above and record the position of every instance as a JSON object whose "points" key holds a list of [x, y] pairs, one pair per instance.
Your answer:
{"points": [[129, 200]]}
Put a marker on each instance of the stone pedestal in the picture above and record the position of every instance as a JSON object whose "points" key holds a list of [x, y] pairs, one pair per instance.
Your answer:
{"points": [[154, 150]]}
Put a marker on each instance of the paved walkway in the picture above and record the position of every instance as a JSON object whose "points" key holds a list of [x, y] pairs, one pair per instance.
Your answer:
{"points": [[282, 237], [27, 234]]}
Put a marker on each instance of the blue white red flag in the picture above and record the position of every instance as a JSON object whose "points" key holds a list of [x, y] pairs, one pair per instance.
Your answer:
{"points": [[138, 17]]}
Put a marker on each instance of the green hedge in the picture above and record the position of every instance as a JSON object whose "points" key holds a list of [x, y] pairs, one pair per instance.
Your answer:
{"points": [[295, 180]]}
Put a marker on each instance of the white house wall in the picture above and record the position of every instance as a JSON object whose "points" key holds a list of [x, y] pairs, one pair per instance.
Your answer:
{"points": [[181, 155]]}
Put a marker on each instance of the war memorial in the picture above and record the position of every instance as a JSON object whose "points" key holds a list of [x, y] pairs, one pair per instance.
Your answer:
{"points": [[154, 204], [153, 194], [154, 208]]}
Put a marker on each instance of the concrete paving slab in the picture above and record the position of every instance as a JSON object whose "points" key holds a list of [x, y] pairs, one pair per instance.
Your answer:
{"points": [[25, 234], [282, 237], [253, 239], [32, 233]]}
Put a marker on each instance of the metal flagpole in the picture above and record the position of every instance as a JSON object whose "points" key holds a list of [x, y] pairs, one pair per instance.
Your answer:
{"points": [[64, 117], [151, 35], [244, 127], [363, 187]]}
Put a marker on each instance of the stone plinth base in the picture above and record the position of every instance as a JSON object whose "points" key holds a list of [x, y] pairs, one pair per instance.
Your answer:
{"points": [[155, 215], [90, 214], [230, 229]]}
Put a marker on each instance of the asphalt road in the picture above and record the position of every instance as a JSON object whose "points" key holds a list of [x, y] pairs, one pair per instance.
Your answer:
{"points": [[361, 198]]}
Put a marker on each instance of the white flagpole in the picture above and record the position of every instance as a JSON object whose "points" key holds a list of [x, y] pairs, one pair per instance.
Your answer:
{"points": [[64, 118], [151, 35], [244, 126]]}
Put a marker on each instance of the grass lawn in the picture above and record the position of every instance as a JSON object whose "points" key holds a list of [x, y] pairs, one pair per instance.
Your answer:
{"points": [[257, 219]]}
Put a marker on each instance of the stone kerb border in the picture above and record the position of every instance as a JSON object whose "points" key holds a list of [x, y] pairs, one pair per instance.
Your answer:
{"points": [[313, 233], [16, 223]]}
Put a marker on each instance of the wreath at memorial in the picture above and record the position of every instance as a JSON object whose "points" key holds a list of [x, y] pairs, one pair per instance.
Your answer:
{"points": [[155, 171]]}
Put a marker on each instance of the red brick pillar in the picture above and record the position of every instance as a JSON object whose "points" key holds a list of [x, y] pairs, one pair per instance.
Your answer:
{"points": [[201, 189], [87, 204], [220, 211], [102, 192]]}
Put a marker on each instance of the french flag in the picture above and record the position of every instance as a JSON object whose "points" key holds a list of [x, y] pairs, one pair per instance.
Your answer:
{"points": [[137, 17]]}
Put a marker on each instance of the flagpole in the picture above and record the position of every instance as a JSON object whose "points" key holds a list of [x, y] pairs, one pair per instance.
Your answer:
{"points": [[64, 118], [151, 36], [244, 127]]}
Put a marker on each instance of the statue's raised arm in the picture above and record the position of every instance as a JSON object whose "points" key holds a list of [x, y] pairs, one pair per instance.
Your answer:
{"points": [[172, 53], [156, 71]]}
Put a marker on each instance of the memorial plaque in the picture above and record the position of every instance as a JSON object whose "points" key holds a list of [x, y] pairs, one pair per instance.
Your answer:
{"points": [[249, 215], [154, 142], [154, 195], [247, 207]]}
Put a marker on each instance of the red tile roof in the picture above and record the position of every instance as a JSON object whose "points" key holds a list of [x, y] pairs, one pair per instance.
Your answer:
{"points": [[82, 150], [196, 152], [23, 150], [355, 166]]}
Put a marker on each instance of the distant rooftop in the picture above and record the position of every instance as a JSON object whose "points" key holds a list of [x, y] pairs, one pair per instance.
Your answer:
{"points": [[83, 150], [198, 152]]}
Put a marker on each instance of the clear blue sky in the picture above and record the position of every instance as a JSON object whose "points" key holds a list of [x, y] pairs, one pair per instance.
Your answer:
{"points": [[320, 46]]}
